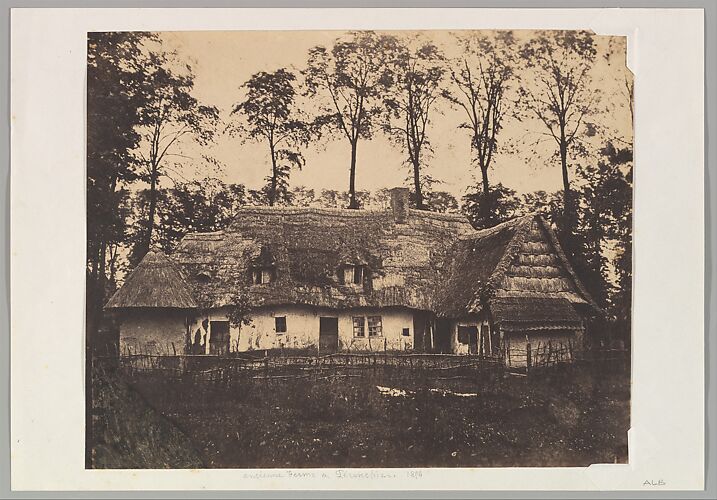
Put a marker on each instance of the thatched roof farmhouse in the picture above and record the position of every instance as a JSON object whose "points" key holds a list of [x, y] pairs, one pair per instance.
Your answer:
{"points": [[334, 279]]}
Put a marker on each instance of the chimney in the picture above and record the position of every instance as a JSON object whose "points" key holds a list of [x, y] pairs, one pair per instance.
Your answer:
{"points": [[399, 204]]}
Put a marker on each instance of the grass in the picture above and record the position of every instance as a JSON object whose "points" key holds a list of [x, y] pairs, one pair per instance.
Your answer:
{"points": [[571, 417]]}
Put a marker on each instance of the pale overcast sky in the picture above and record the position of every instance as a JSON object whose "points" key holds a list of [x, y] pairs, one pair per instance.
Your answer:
{"points": [[222, 61]]}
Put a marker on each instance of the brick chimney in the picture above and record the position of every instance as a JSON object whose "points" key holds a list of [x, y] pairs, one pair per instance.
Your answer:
{"points": [[399, 204]]}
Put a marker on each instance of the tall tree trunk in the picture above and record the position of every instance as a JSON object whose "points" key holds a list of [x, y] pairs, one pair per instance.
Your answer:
{"points": [[152, 209], [417, 184], [566, 180], [487, 206], [353, 203], [568, 209], [272, 186]]}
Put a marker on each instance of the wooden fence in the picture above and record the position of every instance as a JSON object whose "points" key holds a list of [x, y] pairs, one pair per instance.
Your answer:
{"points": [[540, 355], [275, 365], [226, 369]]}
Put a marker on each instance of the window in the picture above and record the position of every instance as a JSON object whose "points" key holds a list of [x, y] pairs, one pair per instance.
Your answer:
{"points": [[358, 275], [406, 332], [261, 276], [280, 324], [374, 326], [359, 326], [352, 275]]}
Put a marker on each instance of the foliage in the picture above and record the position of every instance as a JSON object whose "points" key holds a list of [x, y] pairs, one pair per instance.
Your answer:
{"points": [[352, 77], [239, 310], [481, 79], [169, 113], [270, 116], [606, 231], [198, 206], [115, 75], [503, 201], [418, 74], [442, 202], [561, 97]]}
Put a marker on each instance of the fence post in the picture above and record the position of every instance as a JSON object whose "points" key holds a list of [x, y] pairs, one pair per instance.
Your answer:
{"points": [[528, 358]]}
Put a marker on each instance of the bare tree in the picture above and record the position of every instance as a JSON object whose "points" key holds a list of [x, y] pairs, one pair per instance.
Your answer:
{"points": [[418, 74], [353, 77], [481, 79]]}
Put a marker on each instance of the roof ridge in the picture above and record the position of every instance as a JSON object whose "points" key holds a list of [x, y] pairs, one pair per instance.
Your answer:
{"points": [[349, 212], [311, 210]]}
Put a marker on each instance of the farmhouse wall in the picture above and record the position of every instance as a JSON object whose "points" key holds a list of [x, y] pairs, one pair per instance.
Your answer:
{"points": [[517, 342], [154, 331], [302, 329], [459, 347]]}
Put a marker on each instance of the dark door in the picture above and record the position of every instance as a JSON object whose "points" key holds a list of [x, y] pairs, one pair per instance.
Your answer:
{"points": [[218, 337], [469, 335], [328, 335], [443, 336]]}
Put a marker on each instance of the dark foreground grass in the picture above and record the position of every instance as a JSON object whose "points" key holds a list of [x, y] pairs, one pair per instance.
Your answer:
{"points": [[572, 417]]}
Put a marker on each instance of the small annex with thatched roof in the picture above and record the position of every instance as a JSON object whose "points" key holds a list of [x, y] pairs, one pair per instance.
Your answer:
{"points": [[333, 279]]}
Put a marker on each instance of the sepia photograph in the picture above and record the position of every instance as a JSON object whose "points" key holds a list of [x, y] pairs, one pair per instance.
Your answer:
{"points": [[358, 249]]}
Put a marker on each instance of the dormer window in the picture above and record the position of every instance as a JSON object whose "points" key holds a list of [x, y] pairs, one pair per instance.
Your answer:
{"points": [[262, 275], [353, 274], [203, 277], [263, 267]]}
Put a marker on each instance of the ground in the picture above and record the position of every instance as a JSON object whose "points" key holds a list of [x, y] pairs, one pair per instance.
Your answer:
{"points": [[565, 417]]}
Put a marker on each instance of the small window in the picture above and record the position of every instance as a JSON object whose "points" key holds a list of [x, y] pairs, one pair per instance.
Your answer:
{"points": [[374, 326], [280, 324], [359, 326], [352, 275], [261, 276], [406, 332], [203, 277], [358, 275]]}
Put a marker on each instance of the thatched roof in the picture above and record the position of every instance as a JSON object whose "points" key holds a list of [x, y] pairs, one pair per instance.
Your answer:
{"points": [[520, 258], [155, 282], [309, 247], [427, 261], [521, 313]]}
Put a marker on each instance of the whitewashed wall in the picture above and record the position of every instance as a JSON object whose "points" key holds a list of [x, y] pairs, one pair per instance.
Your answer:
{"points": [[302, 329], [153, 332], [458, 347]]}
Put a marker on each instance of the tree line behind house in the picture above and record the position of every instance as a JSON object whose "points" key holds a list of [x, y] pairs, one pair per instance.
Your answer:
{"points": [[142, 108]]}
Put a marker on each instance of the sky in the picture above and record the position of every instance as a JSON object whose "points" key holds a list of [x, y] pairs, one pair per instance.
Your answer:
{"points": [[223, 61]]}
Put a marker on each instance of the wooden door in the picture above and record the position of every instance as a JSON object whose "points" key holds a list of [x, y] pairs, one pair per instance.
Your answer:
{"points": [[218, 337], [328, 335]]}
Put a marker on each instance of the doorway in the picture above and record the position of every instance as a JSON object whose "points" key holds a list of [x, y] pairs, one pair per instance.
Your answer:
{"points": [[469, 335], [328, 335], [218, 337]]}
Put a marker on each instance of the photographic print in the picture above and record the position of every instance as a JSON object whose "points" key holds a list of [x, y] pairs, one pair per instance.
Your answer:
{"points": [[351, 249]]}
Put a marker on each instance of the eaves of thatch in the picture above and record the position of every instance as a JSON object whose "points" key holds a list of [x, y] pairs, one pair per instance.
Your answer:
{"points": [[155, 283], [524, 314], [422, 260]]}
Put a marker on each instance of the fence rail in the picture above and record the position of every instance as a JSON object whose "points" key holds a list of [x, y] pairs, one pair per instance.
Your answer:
{"points": [[217, 368], [265, 365]]}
